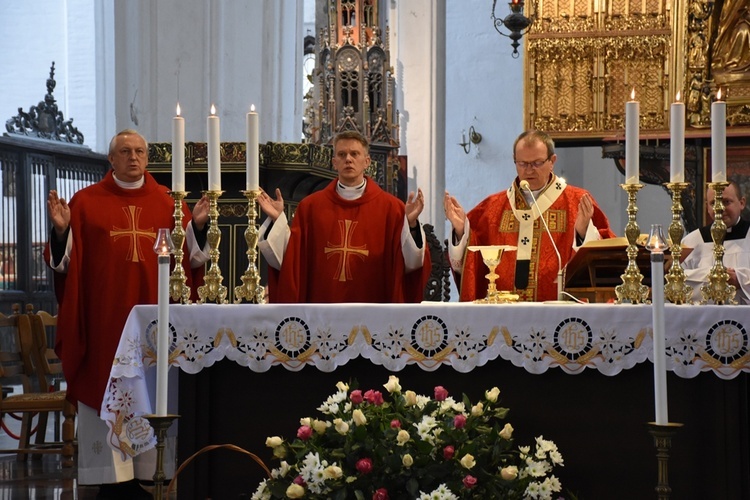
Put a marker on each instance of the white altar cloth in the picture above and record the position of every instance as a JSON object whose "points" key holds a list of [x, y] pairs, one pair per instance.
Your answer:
{"points": [[604, 337]]}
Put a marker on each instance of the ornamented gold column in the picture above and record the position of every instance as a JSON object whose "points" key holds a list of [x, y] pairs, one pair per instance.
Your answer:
{"points": [[718, 288], [250, 290], [632, 290], [676, 291], [213, 289], [178, 290]]}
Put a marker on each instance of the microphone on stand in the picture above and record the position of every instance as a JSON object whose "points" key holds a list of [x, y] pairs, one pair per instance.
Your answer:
{"points": [[524, 185]]}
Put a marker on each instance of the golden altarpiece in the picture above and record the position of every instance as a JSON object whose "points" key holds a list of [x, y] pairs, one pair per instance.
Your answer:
{"points": [[584, 57]]}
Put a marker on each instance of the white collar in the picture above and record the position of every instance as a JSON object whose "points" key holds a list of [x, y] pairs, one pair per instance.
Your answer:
{"points": [[351, 193], [129, 185]]}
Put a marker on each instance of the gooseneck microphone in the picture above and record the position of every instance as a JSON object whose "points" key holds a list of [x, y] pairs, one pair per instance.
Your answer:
{"points": [[524, 185]]}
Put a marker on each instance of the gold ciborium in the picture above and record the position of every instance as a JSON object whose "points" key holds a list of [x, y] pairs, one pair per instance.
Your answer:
{"points": [[491, 255]]}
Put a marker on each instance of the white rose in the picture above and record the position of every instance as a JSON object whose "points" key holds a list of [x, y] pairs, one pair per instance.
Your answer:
{"points": [[492, 394], [411, 398], [295, 491], [408, 461], [507, 431], [305, 421], [509, 473], [274, 441], [359, 417], [341, 426], [402, 437], [332, 472], [468, 461], [319, 426], [393, 385], [342, 386], [477, 410]]}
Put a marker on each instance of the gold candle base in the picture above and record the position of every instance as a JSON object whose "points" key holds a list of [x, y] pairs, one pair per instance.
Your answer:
{"points": [[250, 290], [676, 290], [178, 289], [718, 290], [213, 289], [160, 424], [632, 290], [663, 441]]}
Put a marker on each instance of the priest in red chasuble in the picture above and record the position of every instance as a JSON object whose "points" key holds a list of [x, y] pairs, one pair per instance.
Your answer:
{"points": [[101, 248], [510, 218], [350, 242]]}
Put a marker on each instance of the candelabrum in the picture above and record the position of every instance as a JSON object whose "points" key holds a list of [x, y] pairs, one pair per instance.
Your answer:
{"points": [[250, 290], [718, 288], [178, 290], [663, 441], [213, 289], [632, 290], [676, 291], [160, 424]]}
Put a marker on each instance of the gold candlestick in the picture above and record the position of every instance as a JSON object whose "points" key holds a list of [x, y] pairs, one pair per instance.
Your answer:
{"points": [[250, 289], [213, 289], [718, 288], [663, 435], [160, 424], [632, 290], [178, 290], [676, 291]]}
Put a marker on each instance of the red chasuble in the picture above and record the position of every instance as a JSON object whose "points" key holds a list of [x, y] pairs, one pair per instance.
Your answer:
{"points": [[112, 268], [347, 251], [493, 222]]}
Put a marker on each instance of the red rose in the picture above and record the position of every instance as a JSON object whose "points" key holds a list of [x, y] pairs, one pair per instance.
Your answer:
{"points": [[381, 494], [459, 421], [299, 480], [441, 393], [356, 397], [374, 397], [395, 424], [364, 465], [304, 432], [469, 482], [448, 452]]}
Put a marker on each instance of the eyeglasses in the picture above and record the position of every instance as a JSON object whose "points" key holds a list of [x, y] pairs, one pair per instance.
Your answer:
{"points": [[532, 164]]}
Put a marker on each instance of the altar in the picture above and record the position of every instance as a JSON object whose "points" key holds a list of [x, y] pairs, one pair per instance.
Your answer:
{"points": [[578, 374]]}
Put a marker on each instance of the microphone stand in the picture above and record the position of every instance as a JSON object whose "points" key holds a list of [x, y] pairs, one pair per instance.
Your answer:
{"points": [[524, 185]]}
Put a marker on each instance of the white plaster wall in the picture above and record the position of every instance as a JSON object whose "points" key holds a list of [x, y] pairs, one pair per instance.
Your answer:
{"points": [[32, 35]]}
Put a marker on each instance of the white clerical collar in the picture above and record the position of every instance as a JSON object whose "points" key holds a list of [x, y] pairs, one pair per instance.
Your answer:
{"points": [[129, 185], [351, 193]]}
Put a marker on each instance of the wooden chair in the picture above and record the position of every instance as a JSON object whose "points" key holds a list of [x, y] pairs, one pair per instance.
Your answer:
{"points": [[36, 398]]}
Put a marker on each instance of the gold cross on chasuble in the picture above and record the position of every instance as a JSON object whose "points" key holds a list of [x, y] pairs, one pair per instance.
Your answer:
{"points": [[345, 249], [133, 214]]}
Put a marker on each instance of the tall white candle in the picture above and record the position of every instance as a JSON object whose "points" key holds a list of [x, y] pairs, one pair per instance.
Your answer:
{"points": [[718, 139], [178, 152], [214, 152], [162, 336], [632, 147], [253, 176], [657, 245], [677, 141]]}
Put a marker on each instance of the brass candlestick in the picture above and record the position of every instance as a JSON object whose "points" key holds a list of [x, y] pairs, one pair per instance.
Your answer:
{"points": [[213, 289], [718, 288], [676, 291], [178, 289], [160, 424], [250, 289], [632, 290], [663, 441]]}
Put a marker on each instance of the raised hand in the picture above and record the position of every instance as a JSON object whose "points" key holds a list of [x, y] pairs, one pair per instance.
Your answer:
{"points": [[59, 213], [455, 214], [414, 207], [585, 212], [272, 208], [200, 213]]}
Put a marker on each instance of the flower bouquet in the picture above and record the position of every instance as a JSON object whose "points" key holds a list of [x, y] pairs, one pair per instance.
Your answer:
{"points": [[409, 446]]}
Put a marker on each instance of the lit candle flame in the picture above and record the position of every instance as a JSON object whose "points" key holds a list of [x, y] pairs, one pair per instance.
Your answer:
{"points": [[213, 109], [178, 109], [632, 94], [678, 96], [718, 95], [252, 108]]}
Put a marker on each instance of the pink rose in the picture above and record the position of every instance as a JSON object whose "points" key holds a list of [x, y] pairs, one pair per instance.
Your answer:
{"points": [[469, 482], [299, 480], [448, 452], [395, 424], [380, 494], [441, 393], [356, 397], [459, 421], [364, 465], [304, 432], [374, 397]]}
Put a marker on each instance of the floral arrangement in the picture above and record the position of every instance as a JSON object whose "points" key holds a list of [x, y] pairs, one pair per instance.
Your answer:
{"points": [[410, 446]]}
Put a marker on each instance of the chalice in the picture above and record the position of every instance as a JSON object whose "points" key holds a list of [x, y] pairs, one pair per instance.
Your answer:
{"points": [[491, 255]]}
